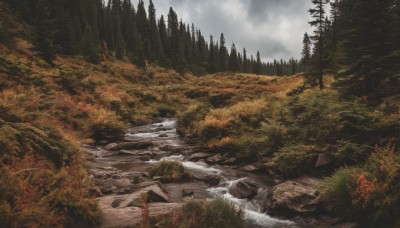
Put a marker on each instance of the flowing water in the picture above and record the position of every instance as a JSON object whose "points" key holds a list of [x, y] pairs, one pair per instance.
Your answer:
{"points": [[229, 176]]}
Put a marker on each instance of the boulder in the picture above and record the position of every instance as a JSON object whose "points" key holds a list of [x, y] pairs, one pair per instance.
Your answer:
{"points": [[186, 192], [213, 180], [128, 146], [215, 159], [250, 168], [244, 189], [296, 196], [271, 166], [96, 191], [153, 193], [145, 157], [132, 216], [230, 161], [198, 156], [111, 145], [324, 159]]}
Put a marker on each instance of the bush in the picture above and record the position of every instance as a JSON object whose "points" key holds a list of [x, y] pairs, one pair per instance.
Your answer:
{"points": [[171, 171], [187, 118], [369, 194], [217, 213], [336, 190], [165, 111], [349, 153], [294, 161], [107, 132]]}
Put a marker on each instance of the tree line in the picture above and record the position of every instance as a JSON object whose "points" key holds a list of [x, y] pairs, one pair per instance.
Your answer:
{"points": [[98, 30], [359, 41]]}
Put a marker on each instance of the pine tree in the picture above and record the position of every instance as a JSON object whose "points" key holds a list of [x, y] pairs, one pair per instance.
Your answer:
{"points": [[366, 25], [318, 15], [233, 60], [88, 46], [306, 52], [44, 39], [258, 66], [245, 62], [156, 52], [223, 55]]}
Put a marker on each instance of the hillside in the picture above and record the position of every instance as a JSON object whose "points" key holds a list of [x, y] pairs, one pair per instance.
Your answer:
{"points": [[270, 128]]}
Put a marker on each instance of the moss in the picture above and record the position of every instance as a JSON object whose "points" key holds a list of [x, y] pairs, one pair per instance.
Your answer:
{"points": [[217, 213], [171, 171], [296, 160]]}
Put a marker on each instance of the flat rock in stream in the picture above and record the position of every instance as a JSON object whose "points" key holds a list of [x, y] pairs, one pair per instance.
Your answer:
{"points": [[128, 146], [250, 168], [215, 159], [132, 216], [244, 189], [296, 196], [153, 192], [198, 156], [124, 210]]}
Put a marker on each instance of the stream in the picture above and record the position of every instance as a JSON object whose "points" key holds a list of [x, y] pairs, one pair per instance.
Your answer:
{"points": [[118, 173]]}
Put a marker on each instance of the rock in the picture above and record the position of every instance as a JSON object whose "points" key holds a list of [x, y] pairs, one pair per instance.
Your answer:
{"points": [[262, 199], [250, 168], [230, 161], [212, 180], [157, 178], [163, 136], [95, 191], [187, 192], [271, 166], [163, 129], [198, 156], [128, 146], [324, 159], [111, 145], [215, 159], [145, 157], [127, 153], [244, 189], [153, 193], [297, 196], [132, 216], [167, 148], [346, 225]]}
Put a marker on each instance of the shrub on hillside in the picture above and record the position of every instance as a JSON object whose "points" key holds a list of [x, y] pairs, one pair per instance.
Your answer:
{"points": [[107, 132], [336, 191], [370, 193], [171, 171], [217, 213], [18, 139], [294, 161], [165, 111], [187, 118]]}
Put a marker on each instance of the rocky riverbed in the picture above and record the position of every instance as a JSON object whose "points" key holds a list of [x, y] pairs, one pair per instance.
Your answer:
{"points": [[120, 172]]}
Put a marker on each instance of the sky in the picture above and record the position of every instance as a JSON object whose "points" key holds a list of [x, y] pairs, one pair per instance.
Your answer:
{"points": [[274, 27]]}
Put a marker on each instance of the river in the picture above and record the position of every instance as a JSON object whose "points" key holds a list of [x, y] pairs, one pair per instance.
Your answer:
{"points": [[115, 171]]}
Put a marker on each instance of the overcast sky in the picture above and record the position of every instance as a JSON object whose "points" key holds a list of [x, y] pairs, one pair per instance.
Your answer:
{"points": [[274, 27]]}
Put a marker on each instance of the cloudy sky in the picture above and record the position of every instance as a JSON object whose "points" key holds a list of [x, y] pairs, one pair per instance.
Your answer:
{"points": [[274, 27]]}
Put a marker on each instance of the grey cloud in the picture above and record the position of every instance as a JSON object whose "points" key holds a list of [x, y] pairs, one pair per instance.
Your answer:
{"points": [[274, 27]]}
